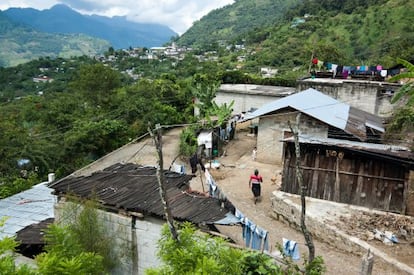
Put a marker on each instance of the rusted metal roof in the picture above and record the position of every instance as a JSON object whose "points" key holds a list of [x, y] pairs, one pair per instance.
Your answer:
{"points": [[135, 188], [33, 234], [387, 151]]}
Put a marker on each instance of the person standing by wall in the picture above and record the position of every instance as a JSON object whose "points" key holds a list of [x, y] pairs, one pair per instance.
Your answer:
{"points": [[254, 183]]}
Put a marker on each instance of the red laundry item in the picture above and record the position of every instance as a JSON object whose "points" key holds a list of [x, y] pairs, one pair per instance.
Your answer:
{"points": [[315, 61]]}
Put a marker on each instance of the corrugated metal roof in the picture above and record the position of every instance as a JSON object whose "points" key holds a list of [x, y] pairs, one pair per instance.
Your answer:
{"points": [[310, 102], [135, 188], [327, 110], [383, 149], [26, 208], [33, 234]]}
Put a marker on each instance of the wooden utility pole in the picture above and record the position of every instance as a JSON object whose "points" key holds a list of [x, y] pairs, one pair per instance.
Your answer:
{"points": [[367, 264], [303, 188], [157, 137]]}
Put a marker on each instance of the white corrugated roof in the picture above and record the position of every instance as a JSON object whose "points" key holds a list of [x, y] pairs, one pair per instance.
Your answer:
{"points": [[25, 208], [312, 103]]}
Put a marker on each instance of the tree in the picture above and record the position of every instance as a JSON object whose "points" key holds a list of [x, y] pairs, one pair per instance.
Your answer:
{"points": [[199, 253], [7, 257], [97, 83], [407, 90], [205, 91], [80, 245]]}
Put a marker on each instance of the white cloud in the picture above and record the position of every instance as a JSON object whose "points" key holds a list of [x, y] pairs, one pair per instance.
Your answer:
{"points": [[177, 14]]}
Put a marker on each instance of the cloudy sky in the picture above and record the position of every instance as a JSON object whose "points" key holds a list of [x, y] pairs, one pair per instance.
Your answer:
{"points": [[176, 14]]}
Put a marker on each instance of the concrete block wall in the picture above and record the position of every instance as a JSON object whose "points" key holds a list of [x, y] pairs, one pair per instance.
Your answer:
{"points": [[243, 102], [286, 210], [148, 232], [143, 238], [369, 96], [273, 128], [287, 207]]}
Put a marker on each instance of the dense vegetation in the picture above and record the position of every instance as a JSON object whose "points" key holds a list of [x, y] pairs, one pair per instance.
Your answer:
{"points": [[87, 111], [199, 253], [91, 108], [80, 245], [349, 32], [232, 22]]}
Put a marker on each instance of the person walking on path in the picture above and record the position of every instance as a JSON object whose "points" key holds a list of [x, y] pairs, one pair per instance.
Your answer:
{"points": [[254, 183]]}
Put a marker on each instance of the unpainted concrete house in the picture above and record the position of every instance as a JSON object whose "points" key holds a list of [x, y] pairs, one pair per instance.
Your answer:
{"points": [[132, 210], [321, 116], [341, 156]]}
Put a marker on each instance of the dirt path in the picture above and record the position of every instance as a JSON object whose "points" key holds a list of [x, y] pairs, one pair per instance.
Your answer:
{"points": [[232, 177]]}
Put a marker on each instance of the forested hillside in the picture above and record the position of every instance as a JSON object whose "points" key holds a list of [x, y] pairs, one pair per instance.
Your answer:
{"points": [[232, 22], [88, 111], [20, 44], [344, 32]]}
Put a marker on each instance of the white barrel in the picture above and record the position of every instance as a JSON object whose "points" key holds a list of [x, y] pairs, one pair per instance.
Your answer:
{"points": [[51, 177]]}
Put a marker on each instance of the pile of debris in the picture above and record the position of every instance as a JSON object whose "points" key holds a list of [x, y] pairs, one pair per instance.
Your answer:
{"points": [[369, 226]]}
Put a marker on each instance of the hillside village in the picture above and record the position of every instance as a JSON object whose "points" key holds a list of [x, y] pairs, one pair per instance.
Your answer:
{"points": [[345, 163], [156, 145]]}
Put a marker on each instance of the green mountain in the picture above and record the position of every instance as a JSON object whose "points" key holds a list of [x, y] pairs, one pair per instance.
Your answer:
{"points": [[119, 31], [350, 32], [19, 44], [232, 21]]}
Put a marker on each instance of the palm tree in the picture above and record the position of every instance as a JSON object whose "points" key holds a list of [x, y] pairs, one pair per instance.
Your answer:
{"points": [[408, 88]]}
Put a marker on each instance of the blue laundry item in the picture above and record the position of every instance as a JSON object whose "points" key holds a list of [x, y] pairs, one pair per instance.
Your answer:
{"points": [[238, 214], [256, 240], [248, 231], [260, 234], [291, 249]]}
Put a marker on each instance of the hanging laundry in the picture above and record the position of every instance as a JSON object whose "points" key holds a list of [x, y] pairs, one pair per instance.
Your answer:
{"points": [[252, 234], [346, 68], [334, 67], [315, 61], [379, 67], [328, 65], [248, 230], [258, 235], [383, 73], [212, 186], [291, 249], [320, 64]]}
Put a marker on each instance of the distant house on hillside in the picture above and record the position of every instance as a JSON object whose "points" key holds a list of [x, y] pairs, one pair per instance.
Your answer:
{"points": [[322, 117], [133, 212], [42, 79]]}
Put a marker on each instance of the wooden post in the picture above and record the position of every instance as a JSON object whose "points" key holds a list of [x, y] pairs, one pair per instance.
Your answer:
{"points": [[367, 263], [408, 194], [305, 231], [337, 196], [160, 177]]}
